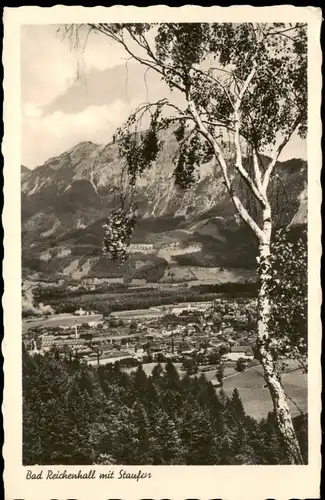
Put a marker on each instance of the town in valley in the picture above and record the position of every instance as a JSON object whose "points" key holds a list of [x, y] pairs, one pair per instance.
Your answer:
{"points": [[215, 338]]}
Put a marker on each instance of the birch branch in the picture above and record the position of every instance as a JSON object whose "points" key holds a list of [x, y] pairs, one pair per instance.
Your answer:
{"points": [[257, 171], [245, 86], [277, 153], [257, 191], [239, 164], [242, 211]]}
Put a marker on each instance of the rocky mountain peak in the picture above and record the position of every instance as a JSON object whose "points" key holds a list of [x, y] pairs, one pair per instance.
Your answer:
{"points": [[65, 202]]}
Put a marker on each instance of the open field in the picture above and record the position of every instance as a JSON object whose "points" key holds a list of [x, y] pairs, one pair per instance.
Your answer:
{"points": [[256, 398], [61, 320], [208, 275], [137, 314], [104, 360], [211, 374], [148, 367]]}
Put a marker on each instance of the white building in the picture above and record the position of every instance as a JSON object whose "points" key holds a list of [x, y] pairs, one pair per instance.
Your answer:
{"points": [[141, 248], [80, 312], [196, 306], [238, 351]]}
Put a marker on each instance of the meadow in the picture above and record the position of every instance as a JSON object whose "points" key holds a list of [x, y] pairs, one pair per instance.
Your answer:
{"points": [[256, 397], [60, 320]]}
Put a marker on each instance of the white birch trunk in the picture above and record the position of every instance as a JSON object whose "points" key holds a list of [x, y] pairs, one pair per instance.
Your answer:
{"points": [[259, 190], [271, 373]]}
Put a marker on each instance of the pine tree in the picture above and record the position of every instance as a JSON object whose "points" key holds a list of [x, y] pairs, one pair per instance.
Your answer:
{"points": [[140, 381], [167, 445], [236, 406], [197, 435], [126, 439], [171, 375], [220, 373], [157, 371], [143, 451], [152, 393]]}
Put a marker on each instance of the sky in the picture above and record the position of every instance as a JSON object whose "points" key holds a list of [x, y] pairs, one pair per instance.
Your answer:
{"points": [[70, 96]]}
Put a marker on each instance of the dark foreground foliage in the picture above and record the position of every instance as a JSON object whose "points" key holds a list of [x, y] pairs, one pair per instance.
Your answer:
{"points": [[77, 415]]}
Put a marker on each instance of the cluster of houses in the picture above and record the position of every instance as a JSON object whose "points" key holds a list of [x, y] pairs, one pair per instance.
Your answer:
{"points": [[151, 337], [181, 341]]}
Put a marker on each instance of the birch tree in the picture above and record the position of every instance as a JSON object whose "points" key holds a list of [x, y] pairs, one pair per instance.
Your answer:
{"points": [[244, 84]]}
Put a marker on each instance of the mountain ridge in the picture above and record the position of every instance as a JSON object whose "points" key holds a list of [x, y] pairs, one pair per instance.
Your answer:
{"points": [[65, 202]]}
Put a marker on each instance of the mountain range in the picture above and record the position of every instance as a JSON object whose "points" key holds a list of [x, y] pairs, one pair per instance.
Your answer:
{"points": [[65, 202]]}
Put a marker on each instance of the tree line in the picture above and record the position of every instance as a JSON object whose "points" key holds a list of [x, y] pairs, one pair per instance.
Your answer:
{"points": [[74, 414], [118, 299]]}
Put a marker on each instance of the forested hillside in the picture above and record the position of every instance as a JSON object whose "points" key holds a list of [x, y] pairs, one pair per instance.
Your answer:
{"points": [[77, 415]]}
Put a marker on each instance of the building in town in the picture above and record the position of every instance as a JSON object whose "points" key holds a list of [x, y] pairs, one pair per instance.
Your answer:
{"points": [[238, 351], [191, 306], [80, 312], [141, 248], [73, 343]]}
